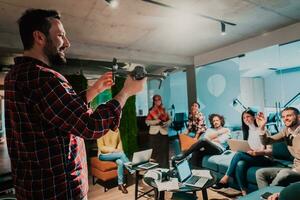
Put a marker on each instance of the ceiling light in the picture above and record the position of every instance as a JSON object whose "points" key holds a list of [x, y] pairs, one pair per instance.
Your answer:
{"points": [[112, 3], [223, 27]]}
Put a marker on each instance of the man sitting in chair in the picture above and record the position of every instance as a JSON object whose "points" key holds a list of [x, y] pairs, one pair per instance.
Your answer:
{"points": [[218, 134], [110, 149], [210, 143]]}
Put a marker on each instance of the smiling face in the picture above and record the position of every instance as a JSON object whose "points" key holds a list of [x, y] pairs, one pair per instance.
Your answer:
{"points": [[56, 43], [289, 118], [194, 107], [248, 119], [157, 100]]}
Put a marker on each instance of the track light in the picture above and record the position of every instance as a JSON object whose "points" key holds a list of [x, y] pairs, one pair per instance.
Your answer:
{"points": [[112, 3], [223, 28]]}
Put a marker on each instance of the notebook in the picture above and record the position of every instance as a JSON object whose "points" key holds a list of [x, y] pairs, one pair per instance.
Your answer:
{"points": [[186, 177], [238, 145], [141, 159]]}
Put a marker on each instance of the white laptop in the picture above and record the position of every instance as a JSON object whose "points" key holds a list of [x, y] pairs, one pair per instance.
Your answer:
{"points": [[141, 159], [239, 145], [186, 177]]}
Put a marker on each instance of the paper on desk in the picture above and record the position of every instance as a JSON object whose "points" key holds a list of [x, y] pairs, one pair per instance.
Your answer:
{"points": [[202, 173], [172, 184]]}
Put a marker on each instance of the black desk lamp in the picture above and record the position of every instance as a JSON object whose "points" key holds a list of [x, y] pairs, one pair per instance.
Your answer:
{"points": [[236, 101]]}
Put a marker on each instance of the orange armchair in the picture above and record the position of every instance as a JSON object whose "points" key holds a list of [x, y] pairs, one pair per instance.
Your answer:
{"points": [[103, 172]]}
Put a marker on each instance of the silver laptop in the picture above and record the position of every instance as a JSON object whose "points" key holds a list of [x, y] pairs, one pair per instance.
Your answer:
{"points": [[238, 145], [141, 159], [187, 178]]}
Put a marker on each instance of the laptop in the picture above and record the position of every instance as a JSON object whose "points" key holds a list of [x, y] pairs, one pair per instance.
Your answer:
{"points": [[239, 145], [141, 159], [186, 177]]}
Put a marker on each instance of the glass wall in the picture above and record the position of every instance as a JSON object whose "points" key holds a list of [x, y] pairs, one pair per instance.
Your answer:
{"points": [[173, 91], [266, 80]]}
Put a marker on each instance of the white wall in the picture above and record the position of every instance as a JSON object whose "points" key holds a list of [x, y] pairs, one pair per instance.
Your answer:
{"points": [[252, 92]]}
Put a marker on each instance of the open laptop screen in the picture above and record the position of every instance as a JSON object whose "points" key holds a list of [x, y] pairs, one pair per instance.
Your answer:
{"points": [[141, 157], [183, 170]]}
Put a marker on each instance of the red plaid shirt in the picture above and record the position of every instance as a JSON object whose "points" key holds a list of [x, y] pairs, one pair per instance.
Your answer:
{"points": [[158, 113], [45, 123]]}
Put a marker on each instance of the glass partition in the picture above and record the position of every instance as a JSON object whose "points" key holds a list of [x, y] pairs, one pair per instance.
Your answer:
{"points": [[265, 80], [173, 91]]}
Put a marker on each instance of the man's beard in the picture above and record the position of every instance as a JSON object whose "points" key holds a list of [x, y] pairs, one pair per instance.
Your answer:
{"points": [[52, 53], [294, 123]]}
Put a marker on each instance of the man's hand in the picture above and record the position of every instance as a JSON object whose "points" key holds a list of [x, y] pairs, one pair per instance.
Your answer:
{"points": [[212, 136], [251, 153], [103, 83], [274, 196], [161, 123], [261, 121], [131, 87], [216, 140], [117, 150]]}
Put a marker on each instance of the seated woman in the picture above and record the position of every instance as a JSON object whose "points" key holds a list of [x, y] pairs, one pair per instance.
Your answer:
{"points": [[258, 156], [110, 149]]}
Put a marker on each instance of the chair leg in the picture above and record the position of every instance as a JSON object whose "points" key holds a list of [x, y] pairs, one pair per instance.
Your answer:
{"points": [[94, 182]]}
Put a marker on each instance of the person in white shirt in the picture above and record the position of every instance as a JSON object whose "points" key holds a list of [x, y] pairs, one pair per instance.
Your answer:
{"points": [[212, 142], [257, 156], [218, 134]]}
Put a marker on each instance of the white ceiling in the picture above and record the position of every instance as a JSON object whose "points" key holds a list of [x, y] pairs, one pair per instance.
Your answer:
{"points": [[137, 31]]}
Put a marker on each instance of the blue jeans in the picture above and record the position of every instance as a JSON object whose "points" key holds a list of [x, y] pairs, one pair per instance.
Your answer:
{"points": [[250, 161], [120, 158]]}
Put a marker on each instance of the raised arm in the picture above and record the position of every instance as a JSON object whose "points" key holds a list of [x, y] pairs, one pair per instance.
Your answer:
{"points": [[60, 106], [264, 134]]}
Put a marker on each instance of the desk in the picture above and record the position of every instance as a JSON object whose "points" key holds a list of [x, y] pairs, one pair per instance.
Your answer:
{"points": [[160, 195], [136, 190]]}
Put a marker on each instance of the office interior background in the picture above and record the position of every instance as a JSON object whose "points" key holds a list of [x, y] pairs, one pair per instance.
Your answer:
{"points": [[255, 61], [226, 55]]}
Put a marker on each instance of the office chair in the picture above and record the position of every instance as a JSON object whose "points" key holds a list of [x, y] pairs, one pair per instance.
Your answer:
{"points": [[179, 122]]}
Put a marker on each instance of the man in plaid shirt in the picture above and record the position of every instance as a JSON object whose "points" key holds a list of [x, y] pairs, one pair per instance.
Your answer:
{"points": [[46, 121]]}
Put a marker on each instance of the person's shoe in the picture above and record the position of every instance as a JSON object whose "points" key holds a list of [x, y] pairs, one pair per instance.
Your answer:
{"points": [[219, 185], [122, 188]]}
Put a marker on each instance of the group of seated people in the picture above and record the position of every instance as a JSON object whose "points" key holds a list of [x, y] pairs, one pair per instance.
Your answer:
{"points": [[213, 140]]}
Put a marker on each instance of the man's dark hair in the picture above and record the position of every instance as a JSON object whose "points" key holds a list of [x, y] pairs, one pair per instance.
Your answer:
{"points": [[295, 110], [211, 117], [35, 20]]}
